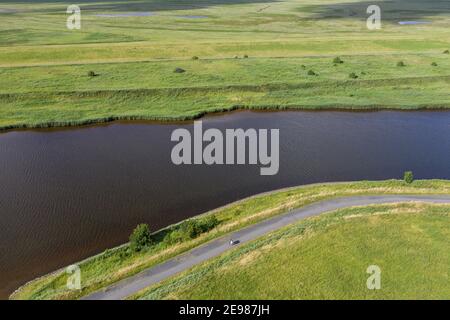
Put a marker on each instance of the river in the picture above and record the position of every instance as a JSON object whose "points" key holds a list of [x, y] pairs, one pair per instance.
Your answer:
{"points": [[66, 194]]}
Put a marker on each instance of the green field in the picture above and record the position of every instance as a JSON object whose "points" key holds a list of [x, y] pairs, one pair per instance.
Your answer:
{"points": [[327, 257], [118, 263], [44, 66]]}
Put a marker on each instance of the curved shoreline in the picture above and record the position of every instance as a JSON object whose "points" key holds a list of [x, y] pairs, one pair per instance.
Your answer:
{"points": [[363, 188], [214, 248], [174, 224], [219, 112]]}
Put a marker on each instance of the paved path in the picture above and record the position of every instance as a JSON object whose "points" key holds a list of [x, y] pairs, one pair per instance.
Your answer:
{"points": [[129, 286]]}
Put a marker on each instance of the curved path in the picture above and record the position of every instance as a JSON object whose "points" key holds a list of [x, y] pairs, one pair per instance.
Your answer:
{"points": [[129, 286]]}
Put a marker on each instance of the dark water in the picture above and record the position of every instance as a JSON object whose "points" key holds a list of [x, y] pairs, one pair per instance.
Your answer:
{"points": [[67, 194]]}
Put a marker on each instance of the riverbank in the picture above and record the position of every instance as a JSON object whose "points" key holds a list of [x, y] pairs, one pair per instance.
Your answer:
{"points": [[118, 263], [58, 96]]}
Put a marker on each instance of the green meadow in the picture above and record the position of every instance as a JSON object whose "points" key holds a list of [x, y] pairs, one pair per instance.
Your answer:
{"points": [[238, 54], [327, 257]]}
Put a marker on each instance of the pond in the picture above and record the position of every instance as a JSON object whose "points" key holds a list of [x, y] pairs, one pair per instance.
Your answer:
{"points": [[67, 194], [413, 22], [125, 15]]}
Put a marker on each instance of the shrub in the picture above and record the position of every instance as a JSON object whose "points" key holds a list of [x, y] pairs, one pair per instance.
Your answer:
{"points": [[303, 66], [353, 76], [174, 236], [311, 73], [179, 70], [408, 177], [337, 60], [91, 74], [401, 64], [194, 58], [446, 52], [434, 64], [209, 223], [191, 229], [124, 253], [140, 238], [245, 56]]}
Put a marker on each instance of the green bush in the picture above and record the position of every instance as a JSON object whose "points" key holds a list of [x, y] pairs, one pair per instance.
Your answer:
{"points": [[179, 70], [311, 73], [245, 56], [140, 238], [191, 229], [353, 76], [194, 58], [337, 60], [446, 52], [174, 236], [401, 64], [124, 253], [91, 74], [408, 177], [209, 223], [434, 64]]}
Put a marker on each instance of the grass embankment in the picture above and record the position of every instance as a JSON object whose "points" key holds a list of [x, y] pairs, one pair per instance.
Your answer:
{"points": [[44, 68], [119, 263], [152, 91], [326, 257]]}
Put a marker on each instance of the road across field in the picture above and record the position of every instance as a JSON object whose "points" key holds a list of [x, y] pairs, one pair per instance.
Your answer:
{"points": [[216, 247]]}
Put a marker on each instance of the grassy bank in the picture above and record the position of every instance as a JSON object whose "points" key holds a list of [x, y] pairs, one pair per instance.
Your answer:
{"points": [[326, 257], [251, 54], [330, 89], [119, 263]]}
